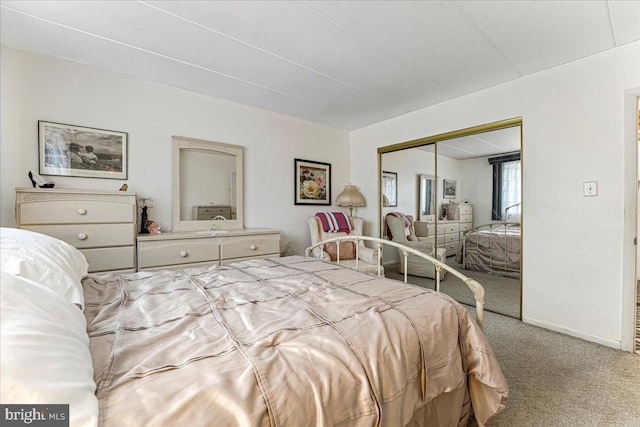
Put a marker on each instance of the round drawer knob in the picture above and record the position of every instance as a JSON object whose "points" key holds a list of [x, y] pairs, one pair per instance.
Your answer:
{"points": [[183, 254], [82, 236], [82, 211], [253, 247]]}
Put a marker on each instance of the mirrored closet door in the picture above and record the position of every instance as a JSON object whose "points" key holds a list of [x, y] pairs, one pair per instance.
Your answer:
{"points": [[463, 191]]}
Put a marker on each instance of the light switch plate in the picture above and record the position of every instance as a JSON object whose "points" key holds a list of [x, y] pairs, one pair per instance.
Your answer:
{"points": [[590, 188]]}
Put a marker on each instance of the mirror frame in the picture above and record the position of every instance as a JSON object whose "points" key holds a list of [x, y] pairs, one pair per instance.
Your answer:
{"points": [[183, 143]]}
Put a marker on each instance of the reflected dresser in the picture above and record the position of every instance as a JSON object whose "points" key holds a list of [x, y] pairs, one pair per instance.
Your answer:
{"points": [[450, 232]]}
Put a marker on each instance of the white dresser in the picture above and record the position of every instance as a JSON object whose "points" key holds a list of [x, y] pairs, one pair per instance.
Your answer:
{"points": [[195, 249], [451, 232], [102, 224]]}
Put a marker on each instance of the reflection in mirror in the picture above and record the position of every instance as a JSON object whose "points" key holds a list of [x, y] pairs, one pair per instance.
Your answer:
{"points": [[390, 188], [207, 185], [427, 205], [468, 157]]}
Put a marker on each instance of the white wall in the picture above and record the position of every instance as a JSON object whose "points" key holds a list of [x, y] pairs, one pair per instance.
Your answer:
{"points": [[477, 178], [36, 87], [576, 265], [408, 164]]}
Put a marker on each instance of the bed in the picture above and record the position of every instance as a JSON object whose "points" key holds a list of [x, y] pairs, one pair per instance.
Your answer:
{"points": [[492, 248], [495, 247], [290, 341]]}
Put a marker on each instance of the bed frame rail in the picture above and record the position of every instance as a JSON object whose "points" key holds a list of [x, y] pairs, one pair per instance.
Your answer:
{"points": [[509, 211], [474, 286]]}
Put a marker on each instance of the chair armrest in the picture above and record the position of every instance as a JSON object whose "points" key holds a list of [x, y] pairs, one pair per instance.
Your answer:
{"points": [[368, 255], [424, 247]]}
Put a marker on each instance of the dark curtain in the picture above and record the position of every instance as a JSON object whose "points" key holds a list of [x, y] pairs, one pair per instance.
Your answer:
{"points": [[496, 205]]}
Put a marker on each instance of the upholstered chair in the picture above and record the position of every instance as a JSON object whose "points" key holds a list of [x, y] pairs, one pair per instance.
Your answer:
{"points": [[405, 235], [367, 257]]}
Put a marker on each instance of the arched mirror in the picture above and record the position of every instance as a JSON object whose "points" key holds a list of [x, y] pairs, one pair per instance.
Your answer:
{"points": [[452, 183], [207, 185]]}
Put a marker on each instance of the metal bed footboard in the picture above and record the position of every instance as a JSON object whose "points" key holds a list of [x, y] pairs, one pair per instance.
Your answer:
{"points": [[474, 286], [509, 211]]}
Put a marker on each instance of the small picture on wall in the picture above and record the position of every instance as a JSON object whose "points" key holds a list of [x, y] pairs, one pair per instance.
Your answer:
{"points": [[312, 182], [69, 150], [449, 190]]}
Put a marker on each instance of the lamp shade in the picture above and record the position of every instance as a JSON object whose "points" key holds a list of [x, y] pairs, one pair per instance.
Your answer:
{"points": [[351, 198]]}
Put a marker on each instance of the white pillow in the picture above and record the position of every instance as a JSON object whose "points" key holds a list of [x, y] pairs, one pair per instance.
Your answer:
{"points": [[44, 259], [514, 218], [44, 351]]}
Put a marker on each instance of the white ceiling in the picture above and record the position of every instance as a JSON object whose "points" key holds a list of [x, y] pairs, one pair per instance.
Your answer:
{"points": [[346, 64], [479, 145]]}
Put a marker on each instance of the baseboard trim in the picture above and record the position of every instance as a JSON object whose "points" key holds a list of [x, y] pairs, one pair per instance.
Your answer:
{"points": [[567, 331]]}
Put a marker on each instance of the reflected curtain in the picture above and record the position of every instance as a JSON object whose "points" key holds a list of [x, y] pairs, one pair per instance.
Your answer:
{"points": [[510, 185], [506, 183]]}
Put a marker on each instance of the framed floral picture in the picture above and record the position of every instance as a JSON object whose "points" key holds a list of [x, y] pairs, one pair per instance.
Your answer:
{"points": [[312, 182], [69, 150]]}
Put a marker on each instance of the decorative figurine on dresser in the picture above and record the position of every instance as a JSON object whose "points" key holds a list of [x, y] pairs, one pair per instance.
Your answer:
{"points": [[102, 224], [143, 221], [207, 223]]}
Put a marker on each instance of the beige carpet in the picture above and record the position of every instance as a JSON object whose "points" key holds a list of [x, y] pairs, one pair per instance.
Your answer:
{"points": [[556, 380], [502, 294]]}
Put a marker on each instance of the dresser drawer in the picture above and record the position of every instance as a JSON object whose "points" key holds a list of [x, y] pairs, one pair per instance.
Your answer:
{"points": [[452, 248], [250, 247], [89, 235], [448, 238], [466, 226], [466, 218], [451, 228], [172, 252], [210, 212], [105, 259], [465, 210], [75, 211]]}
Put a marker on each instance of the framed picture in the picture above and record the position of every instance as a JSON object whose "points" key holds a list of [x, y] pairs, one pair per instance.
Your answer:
{"points": [[69, 150], [390, 188], [312, 183], [449, 190]]}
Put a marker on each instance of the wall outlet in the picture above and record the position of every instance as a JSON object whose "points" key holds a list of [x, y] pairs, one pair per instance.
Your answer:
{"points": [[590, 189]]}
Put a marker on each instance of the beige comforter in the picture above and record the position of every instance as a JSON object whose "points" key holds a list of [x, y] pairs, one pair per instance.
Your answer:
{"points": [[285, 342], [492, 250]]}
